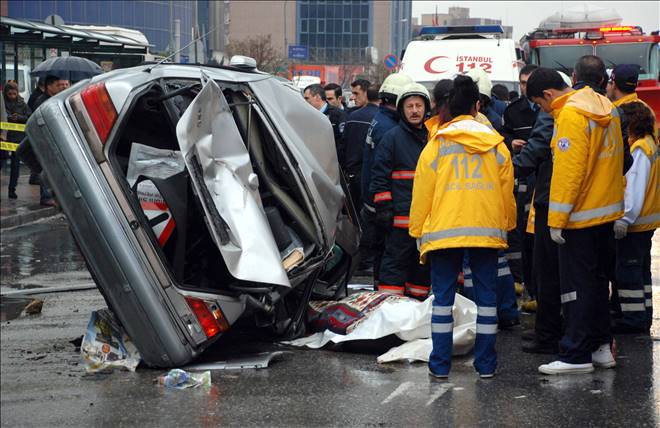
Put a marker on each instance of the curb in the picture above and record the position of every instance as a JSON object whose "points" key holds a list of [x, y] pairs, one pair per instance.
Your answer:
{"points": [[27, 217]]}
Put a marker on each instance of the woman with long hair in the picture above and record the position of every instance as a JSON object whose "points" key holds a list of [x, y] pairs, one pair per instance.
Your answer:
{"points": [[463, 202]]}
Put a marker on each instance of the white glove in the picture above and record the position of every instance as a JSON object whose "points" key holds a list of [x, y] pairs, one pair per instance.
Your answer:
{"points": [[555, 235], [620, 229], [419, 243]]}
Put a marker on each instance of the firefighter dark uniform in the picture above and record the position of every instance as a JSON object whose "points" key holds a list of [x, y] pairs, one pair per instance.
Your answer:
{"points": [[392, 178], [586, 196], [519, 118]]}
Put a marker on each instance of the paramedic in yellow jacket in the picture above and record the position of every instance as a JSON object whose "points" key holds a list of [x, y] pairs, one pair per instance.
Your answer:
{"points": [[463, 201], [586, 197], [635, 230]]}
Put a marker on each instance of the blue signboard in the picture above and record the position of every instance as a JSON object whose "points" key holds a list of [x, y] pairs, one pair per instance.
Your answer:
{"points": [[298, 52], [390, 61]]}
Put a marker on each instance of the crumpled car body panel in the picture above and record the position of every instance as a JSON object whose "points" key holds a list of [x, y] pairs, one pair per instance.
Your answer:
{"points": [[209, 140]]}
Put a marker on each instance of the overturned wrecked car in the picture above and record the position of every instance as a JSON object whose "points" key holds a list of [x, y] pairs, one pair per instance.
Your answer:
{"points": [[197, 196]]}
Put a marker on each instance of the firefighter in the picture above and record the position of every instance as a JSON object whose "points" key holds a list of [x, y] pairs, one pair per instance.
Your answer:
{"points": [[634, 231], [373, 238], [519, 118], [463, 203], [585, 199], [391, 184]]}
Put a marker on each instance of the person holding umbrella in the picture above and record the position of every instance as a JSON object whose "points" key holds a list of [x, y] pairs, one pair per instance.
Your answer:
{"points": [[57, 73]]}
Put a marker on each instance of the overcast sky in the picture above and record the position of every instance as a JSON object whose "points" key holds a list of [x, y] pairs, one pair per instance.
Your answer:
{"points": [[525, 16]]}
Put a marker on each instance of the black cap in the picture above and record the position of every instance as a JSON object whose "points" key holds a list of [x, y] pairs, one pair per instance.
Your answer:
{"points": [[625, 76]]}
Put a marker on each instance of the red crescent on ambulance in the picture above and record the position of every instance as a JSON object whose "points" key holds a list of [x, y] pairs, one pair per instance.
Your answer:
{"points": [[427, 65]]}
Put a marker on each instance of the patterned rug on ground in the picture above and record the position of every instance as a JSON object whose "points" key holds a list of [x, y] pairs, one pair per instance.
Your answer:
{"points": [[343, 316]]}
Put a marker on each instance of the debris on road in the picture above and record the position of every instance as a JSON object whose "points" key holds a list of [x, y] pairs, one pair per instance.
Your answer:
{"points": [[374, 315], [181, 379], [34, 307], [258, 361], [106, 346]]}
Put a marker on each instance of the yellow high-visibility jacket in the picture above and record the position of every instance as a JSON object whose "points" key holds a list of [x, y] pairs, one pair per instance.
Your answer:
{"points": [[463, 189], [433, 124], [586, 188], [649, 216], [633, 98]]}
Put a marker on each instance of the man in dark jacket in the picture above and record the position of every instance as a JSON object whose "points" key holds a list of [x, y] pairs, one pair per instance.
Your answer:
{"points": [[393, 173], [352, 146], [315, 95], [387, 117], [53, 85], [519, 118], [38, 91]]}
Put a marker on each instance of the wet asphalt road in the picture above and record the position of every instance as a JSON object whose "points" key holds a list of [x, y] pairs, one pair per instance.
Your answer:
{"points": [[43, 384]]}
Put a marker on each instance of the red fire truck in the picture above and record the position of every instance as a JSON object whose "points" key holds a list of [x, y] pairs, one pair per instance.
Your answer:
{"points": [[560, 48]]}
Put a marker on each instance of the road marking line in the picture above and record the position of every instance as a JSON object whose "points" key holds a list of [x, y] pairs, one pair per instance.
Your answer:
{"points": [[439, 393], [398, 391]]}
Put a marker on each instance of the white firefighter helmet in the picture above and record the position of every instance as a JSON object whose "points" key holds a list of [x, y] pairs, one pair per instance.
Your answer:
{"points": [[565, 78], [393, 86], [482, 80], [414, 89]]}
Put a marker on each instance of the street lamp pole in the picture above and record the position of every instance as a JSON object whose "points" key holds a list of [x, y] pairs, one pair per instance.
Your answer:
{"points": [[286, 42]]}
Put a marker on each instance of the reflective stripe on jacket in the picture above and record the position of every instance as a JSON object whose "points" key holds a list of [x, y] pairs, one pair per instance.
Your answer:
{"points": [[649, 216], [393, 169], [587, 149], [463, 189]]}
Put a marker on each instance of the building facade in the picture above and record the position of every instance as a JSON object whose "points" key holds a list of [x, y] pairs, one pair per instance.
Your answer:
{"points": [[334, 31], [155, 19]]}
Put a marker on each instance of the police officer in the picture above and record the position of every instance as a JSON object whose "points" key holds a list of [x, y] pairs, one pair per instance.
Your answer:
{"points": [[585, 199], [387, 117], [463, 202], [634, 231], [352, 147], [519, 118], [315, 95], [391, 184]]}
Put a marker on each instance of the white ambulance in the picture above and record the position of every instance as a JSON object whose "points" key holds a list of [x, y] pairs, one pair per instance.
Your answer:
{"points": [[443, 52]]}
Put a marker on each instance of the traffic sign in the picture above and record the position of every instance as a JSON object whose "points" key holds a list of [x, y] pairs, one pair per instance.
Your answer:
{"points": [[298, 52], [391, 61]]}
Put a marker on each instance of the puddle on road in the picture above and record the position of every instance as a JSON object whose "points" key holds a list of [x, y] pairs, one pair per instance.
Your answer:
{"points": [[11, 307]]}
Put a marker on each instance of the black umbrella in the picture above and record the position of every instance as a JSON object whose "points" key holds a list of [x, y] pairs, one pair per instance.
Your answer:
{"points": [[71, 68]]}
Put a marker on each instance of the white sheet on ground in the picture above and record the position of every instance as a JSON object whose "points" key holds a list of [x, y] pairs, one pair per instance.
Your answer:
{"points": [[410, 320]]}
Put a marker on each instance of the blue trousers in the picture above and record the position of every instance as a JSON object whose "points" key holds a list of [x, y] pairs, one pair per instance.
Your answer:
{"points": [[507, 306], [445, 267]]}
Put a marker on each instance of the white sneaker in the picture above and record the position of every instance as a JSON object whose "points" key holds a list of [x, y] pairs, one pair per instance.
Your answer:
{"points": [[560, 367], [603, 358]]}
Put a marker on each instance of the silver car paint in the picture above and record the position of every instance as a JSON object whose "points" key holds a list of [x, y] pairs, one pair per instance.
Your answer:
{"points": [[208, 132], [308, 134]]}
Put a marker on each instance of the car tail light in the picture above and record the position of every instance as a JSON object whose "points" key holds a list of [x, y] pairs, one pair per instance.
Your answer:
{"points": [[100, 109], [210, 318]]}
